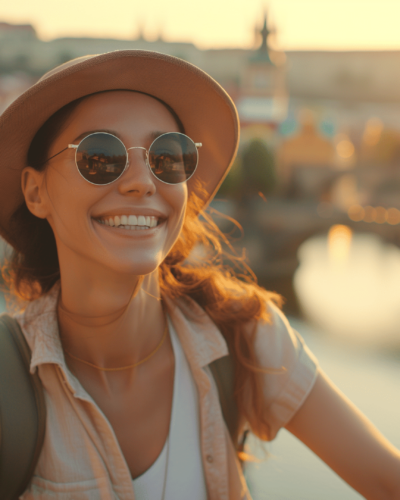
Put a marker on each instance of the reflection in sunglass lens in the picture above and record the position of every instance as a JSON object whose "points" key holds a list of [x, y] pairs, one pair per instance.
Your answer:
{"points": [[173, 158], [101, 158]]}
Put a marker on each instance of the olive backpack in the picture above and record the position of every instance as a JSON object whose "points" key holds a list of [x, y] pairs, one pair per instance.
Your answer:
{"points": [[23, 411]]}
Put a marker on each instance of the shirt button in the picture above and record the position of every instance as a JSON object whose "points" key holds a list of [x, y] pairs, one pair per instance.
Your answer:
{"points": [[209, 459]]}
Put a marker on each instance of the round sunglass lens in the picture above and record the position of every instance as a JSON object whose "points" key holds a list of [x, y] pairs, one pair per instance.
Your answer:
{"points": [[101, 158], [173, 158]]}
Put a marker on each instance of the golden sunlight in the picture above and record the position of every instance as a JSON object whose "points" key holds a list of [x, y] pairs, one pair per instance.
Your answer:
{"points": [[339, 243]]}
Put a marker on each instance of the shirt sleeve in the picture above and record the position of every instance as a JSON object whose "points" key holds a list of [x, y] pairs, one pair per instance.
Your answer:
{"points": [[291, 368]]}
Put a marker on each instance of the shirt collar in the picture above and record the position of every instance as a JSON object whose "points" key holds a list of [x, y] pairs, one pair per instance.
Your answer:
{"points": [[201, 340], [40, 325]]}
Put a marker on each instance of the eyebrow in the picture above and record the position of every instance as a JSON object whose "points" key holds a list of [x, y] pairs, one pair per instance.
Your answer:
{"points": [[151, 137]]}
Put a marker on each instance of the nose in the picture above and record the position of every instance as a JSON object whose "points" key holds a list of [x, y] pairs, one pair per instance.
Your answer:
{"points": [[137, 179]]}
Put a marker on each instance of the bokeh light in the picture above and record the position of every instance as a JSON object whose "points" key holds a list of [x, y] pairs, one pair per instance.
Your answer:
{"points": [[356, 213], [369, 214], [345, 148], [393, 216]]}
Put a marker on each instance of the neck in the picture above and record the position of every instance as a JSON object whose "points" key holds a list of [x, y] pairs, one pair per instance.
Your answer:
{"points": [[110, 322]]}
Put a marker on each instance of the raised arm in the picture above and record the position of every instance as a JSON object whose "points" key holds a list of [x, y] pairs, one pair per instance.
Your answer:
{"points": [[336, 430]]}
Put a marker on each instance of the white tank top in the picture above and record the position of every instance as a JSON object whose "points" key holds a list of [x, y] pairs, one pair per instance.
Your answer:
{"points": [[181, 456]]}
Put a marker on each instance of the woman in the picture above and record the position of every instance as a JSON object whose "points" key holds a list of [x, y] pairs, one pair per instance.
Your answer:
{"points": [[100, 201]]}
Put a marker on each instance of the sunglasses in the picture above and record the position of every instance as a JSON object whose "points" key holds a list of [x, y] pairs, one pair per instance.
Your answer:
{"points": [[101, 158]]}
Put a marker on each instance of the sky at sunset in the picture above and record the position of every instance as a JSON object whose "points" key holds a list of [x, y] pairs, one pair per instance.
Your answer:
{"points": [[301, 24]]}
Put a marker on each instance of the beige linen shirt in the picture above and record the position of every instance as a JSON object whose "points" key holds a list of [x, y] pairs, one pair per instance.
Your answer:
{"points": [[81, 458]]}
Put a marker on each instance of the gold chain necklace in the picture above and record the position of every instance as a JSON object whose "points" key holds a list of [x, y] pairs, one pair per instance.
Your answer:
{"points": [[122, 367]]}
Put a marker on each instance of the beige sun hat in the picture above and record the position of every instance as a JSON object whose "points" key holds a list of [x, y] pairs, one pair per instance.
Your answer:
{"points": [[205, 109]]}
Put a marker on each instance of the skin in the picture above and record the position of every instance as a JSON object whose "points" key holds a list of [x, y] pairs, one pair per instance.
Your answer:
{"points": [[109, 310], [110, 313]]}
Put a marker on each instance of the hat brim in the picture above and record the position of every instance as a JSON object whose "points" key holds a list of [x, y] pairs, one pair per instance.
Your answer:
{"points": [[205, 109]]}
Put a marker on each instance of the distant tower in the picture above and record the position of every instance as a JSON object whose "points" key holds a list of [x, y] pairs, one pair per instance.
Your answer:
{"points": [[140, 36], [265, 32], [263, 75], [263, 83]]}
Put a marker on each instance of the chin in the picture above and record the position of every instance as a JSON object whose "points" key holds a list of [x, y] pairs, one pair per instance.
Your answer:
{"points": [[137, 269]]}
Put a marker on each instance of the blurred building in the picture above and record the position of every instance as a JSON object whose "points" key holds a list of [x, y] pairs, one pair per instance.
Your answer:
{"points": [[306, 159], [357, 76], [347, 87]]}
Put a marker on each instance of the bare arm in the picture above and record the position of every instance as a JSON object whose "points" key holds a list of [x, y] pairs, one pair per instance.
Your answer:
{"points": [[331, 426]]}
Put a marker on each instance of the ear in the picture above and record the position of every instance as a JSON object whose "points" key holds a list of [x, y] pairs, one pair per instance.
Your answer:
{"points": [[32, 186]]}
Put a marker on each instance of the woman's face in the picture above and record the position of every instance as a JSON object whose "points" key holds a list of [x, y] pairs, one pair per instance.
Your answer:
{"points": [[74, 207]]}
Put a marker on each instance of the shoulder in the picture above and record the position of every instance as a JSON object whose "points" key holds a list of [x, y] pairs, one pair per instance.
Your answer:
{"points": [[276, 342], [290, 367]]}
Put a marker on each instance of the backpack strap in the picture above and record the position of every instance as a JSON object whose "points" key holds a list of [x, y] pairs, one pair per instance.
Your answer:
{"points": [[223, 371], [22, 411]]}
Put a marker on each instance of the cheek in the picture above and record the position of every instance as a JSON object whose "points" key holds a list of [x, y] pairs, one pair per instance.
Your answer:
{"points": [[68, 199], [177, 198], [58, 183]]}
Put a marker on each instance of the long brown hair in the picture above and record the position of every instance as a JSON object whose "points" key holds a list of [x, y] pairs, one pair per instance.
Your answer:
{"points": [[226, 288], [222, 284]]}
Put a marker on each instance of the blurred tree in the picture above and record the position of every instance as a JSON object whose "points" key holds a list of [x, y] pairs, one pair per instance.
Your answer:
{"points": [[258, 169], [252, 172]]}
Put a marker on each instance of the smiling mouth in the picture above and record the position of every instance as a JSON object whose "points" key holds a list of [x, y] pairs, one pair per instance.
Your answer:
{"points": [[132, 222]]}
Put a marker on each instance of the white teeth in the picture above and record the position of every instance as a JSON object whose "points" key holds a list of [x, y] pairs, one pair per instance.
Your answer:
{"points": [[132, 220]]}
